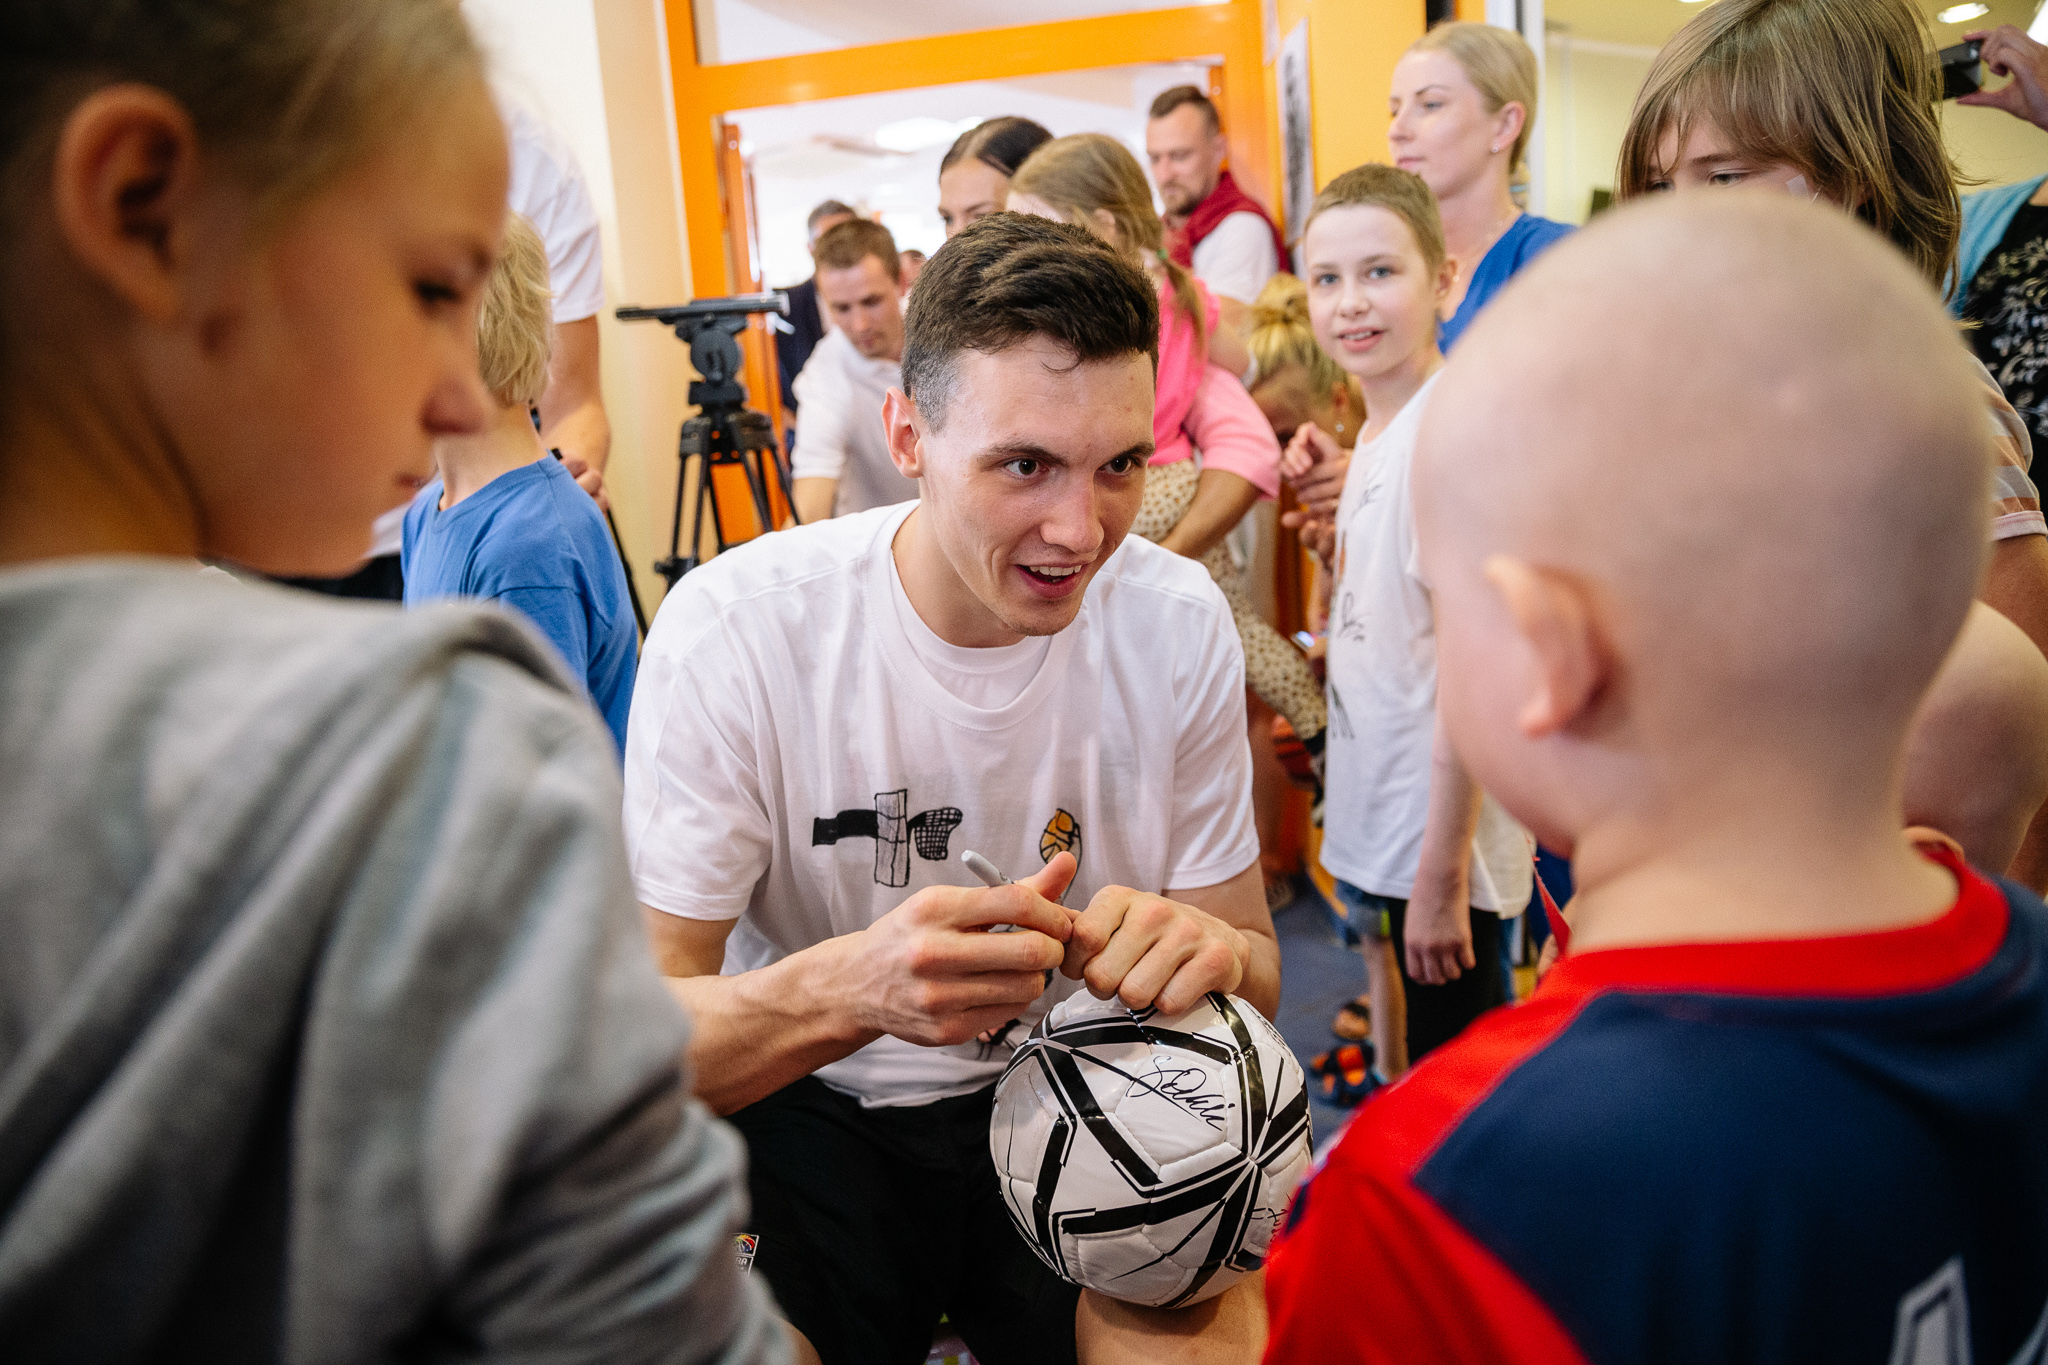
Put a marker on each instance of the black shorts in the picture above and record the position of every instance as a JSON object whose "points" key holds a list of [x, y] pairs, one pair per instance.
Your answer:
{"points": [[874, 1222]]}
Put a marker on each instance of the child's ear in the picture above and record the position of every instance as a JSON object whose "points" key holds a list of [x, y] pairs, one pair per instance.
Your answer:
{"points": [[1555, 614], [123, 184]]}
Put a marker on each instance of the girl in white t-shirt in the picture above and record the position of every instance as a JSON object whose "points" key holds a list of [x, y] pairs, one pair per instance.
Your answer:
{"points": [[1420, 854]]}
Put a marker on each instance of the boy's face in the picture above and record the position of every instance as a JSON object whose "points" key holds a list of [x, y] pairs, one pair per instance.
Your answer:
{"points": [[1707, 159], [316, 369], [1033, 481]]}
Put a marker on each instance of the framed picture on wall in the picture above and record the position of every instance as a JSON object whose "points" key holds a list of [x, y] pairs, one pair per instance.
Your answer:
{"points": [[1297, 130]]}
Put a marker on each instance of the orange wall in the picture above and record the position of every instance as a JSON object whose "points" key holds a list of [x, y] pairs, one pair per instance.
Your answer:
{"points": [[1352, 48]]}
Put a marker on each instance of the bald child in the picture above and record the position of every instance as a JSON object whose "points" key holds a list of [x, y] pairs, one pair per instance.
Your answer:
{"points": [[1786, 1097]]}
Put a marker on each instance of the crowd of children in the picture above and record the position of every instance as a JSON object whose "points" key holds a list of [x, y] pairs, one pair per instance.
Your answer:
{"points": [[341, 1015]]}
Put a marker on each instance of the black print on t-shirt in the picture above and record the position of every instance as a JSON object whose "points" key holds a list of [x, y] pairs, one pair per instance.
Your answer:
{"points": [[928, 831]]}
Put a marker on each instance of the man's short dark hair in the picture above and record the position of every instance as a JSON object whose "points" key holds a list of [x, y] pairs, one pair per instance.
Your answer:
{"points": [[846, 245], [1009, 277], [831, 208], [1170, 100]]}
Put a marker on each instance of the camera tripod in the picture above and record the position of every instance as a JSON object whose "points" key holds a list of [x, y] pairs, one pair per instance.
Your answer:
{"points": [[725, 433]]}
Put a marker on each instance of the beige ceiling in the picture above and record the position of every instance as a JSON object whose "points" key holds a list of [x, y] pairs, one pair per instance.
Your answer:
{"points": [[1648, 23]]}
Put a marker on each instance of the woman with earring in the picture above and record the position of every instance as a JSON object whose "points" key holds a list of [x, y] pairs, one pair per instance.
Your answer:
{"points": [[1463, 104]]}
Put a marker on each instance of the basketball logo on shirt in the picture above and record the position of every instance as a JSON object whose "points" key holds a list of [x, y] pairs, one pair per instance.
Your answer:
{"points": [[1062, 835]]}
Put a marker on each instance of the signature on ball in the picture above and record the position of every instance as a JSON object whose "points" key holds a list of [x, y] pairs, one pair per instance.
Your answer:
{"points": [[1187, 1086]]}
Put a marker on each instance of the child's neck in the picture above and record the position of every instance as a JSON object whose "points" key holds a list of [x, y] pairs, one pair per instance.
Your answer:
{"points": [[1769, 870], [468, 463], [1388, 392]]}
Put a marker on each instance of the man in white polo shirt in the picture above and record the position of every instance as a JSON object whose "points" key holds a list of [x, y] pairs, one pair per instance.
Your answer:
{"points": [[827, 717], [842, 462]]}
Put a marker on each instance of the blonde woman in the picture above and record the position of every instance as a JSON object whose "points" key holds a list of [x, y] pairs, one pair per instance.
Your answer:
{"points": [[1191, 504], [1463, 104]]}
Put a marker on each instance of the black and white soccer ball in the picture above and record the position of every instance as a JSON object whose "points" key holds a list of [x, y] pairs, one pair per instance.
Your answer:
{"points": [[1151, 1157]]}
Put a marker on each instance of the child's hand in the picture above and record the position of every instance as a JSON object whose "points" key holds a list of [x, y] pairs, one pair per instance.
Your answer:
{"points": [[1318, 533], [1310, 446]]}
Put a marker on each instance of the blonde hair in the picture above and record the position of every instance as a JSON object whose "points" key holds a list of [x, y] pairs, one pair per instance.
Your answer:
{"points": [[1399, 192], [286, 93], [515, 326], [1500, 66], [1843, 89], [1087, 172], [1281, 339]]}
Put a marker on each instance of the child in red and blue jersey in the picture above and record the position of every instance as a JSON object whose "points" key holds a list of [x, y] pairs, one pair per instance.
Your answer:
{"points": [[1785, 1096]]}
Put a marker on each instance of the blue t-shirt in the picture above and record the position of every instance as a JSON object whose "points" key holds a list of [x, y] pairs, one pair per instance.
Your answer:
{"points": [[535, 541], [1522, 243]]}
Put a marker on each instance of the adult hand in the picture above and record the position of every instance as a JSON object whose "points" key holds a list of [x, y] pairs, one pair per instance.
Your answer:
{"points": [[1438, 927], [588, 479], [2010, 52], [1148, 950], [930, 972]]}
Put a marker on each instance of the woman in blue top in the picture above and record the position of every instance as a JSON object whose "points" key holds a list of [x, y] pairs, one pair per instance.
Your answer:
{"points": [[1463, 104]]}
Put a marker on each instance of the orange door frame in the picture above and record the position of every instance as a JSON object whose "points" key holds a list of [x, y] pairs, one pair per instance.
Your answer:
{"points": [[704, 94]]}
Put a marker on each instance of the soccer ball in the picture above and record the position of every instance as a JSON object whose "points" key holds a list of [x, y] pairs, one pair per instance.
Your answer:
{"points": [[1146, 1157]]}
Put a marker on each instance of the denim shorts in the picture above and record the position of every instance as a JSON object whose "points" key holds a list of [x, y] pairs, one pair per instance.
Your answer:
{"points": [[1360, 915]]}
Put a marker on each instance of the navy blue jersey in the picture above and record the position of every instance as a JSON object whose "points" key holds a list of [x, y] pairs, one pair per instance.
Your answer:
{"points": [[1790, 1151]]}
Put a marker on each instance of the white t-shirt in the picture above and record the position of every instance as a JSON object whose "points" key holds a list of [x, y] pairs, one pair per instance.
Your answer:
{"points": [[1382, 694], [791, 764], [839, 392], [548, 190], [1236, 258]]}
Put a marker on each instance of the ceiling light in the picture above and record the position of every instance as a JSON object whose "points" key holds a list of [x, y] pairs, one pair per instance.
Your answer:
{"points": [[1956, 14], [916, 134]]}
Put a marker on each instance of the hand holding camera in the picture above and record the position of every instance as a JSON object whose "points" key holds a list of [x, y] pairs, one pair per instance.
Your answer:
{"points": [[2007, 51]]}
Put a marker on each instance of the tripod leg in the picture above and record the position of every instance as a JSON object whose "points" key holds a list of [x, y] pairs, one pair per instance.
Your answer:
{"points": [[780, 458], [757, 485], [632, 588], [704, 490]]}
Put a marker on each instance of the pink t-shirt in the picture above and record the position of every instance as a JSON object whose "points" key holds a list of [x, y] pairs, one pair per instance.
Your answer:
{"points": [[1200, 406]]}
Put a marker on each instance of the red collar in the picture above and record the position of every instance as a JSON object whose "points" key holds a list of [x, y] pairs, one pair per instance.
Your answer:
{"points": [[1223, 201], [1921, 957]]}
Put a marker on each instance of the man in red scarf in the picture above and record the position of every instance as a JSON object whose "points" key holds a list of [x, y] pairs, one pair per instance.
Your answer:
{"points": [[1214, 228]]}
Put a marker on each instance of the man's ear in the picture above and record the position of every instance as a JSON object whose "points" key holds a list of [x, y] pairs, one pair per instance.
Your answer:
{"points": [[901, 421], [123, 183], [1555, 616]]}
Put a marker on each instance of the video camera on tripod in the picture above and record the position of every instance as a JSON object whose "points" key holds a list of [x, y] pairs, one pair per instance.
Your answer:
{"points": [[725, 432]]}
